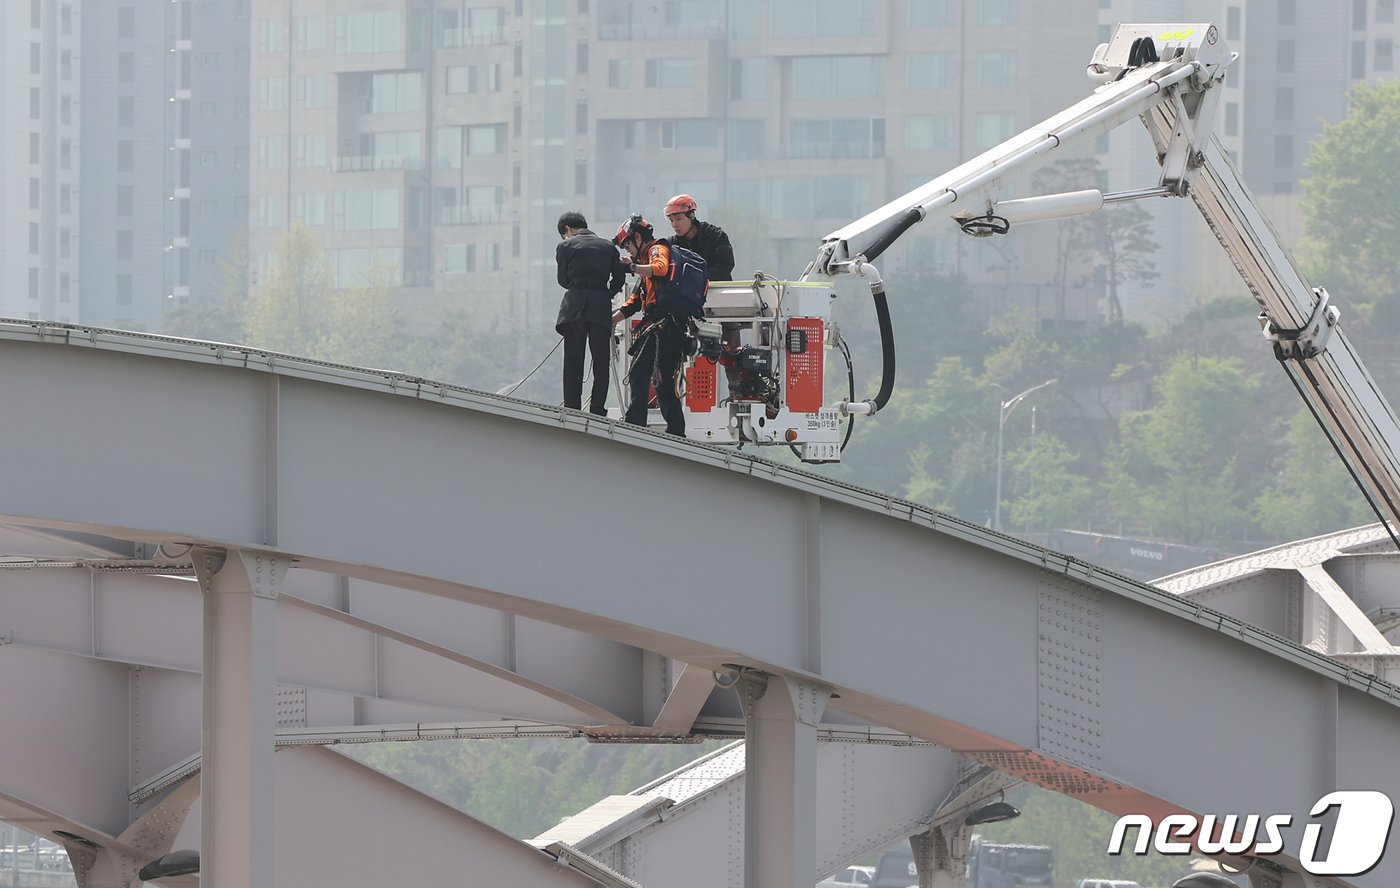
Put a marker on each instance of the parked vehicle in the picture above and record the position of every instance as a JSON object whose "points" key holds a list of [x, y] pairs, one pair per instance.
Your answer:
{"points": [[896, 868]]}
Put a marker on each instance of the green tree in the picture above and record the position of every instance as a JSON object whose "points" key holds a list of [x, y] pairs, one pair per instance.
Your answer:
{"points": [[1049, 493], [1174, 472], [1121, 241], [1351, 203], [1313, 492], [949, 422], [218, 317], [285, 311]]}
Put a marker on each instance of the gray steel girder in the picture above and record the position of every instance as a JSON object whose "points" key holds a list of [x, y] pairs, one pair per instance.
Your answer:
{"points": [[1112, 691]]}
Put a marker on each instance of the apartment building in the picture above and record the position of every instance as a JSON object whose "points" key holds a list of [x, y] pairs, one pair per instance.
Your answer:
{"points": [[39, 73], [442, 138]]}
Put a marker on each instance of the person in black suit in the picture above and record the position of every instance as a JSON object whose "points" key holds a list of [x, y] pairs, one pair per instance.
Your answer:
{"points": [[591, 271]]}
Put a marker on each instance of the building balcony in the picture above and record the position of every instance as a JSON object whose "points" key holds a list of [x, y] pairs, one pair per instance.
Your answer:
{"points": [[458, 37], [654, 31], [364, 163], [470, 215]]}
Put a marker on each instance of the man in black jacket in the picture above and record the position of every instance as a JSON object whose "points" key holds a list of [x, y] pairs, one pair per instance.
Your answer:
{"points": [[590, 271], [708, 240]]}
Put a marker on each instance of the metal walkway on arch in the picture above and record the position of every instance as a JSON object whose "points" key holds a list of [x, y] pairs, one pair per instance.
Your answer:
{"points": [[365, 550]]}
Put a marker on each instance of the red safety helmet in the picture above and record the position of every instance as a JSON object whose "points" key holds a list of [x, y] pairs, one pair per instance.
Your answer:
{"points": [[635, 224], [681, 203]]}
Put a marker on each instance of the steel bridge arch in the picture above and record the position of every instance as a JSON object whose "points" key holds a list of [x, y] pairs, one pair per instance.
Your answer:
{"points": [[1031, 662]]}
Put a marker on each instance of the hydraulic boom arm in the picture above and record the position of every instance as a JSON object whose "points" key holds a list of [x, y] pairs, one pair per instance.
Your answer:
{"points": [[1167, 75]]}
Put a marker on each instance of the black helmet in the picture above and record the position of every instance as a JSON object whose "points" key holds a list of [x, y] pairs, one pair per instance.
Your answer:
{"points": [[635, 224]]}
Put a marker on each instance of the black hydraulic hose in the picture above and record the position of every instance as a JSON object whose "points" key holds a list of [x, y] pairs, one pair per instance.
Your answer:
{"points": [[882, 314], [910, 219]]}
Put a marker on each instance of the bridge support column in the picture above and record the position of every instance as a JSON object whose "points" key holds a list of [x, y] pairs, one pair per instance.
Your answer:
{"points": [[780, 764], [239, 735], [939, 856]]}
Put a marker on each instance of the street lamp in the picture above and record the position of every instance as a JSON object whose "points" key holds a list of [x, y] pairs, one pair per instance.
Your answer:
{"points": [[1006, 407]]}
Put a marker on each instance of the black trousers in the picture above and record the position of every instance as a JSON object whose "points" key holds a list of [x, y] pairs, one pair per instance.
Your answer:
{"points": [[663, 351], [577, 335]]}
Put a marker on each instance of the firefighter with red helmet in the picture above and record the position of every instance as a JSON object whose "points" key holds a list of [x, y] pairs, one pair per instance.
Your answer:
{"points": [[708, 240], [661, 338]]}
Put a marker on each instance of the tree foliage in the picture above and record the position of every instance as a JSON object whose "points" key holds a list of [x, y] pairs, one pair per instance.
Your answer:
{"points": [[1046, 491], [1313, 493], [1352, 203], [1174, 472]]}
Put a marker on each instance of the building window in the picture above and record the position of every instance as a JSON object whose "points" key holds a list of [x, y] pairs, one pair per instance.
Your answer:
{"points": [[929, 70], [34, 238], [313, 91], [65, 199], [928, 132], [1232, 22], [272, 34], [33, 283], [1385, 11], [838, 77], [34, 194], [124, 289], [1358, 59], [1287, 12], [1385, 55], [126, 111], [581, 177], [1232, 119], [34, 59], [486, 139], [33, 147], [124, 240], [817, 197], [311, 32], [126, 67], [670, 73], [461, 78], [1283, 150], [582, 57], [1283, 103], [310, 208], [126, 154], [997, 12], [996, 69], [124, 200], [1285, 56], [270, 93], [458, 258], [994, 128], [929, 14], [272, 152], [619, 73], [270, 212], [581, 118], [1358, 15], [825, 18], [369, 32], [34, 103], [34, 9], [396, 93], [744, 139]]}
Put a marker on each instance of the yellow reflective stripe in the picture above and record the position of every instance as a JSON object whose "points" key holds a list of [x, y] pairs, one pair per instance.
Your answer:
{"points": [[1176, 35]]}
